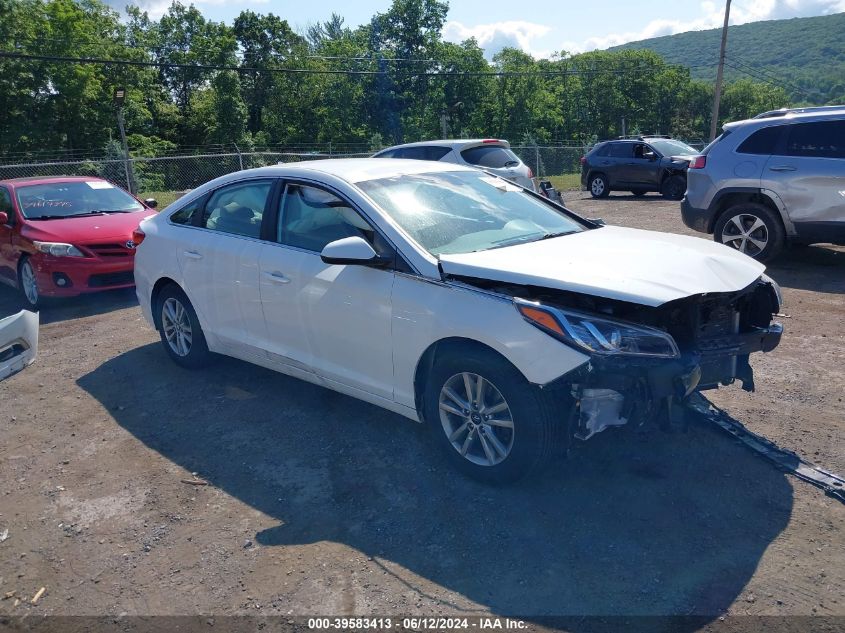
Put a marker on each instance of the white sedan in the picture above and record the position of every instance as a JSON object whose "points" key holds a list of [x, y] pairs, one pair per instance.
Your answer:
{"points": [[506, 323]]}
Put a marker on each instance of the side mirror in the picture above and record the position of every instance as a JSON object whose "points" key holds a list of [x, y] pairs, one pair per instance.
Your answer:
{"points": [[152, 203], [351, 250], [4, 217]]}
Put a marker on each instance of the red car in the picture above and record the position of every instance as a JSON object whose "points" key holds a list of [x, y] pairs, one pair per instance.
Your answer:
{"points": [[65, 236]]}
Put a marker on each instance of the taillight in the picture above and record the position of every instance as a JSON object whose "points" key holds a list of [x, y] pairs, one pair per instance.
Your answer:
{"points": [[583, 159], [530, 173], [138, 236], [698, 162], [491, 140]]}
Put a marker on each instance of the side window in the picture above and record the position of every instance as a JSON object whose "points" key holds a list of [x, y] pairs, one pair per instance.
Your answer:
{"points": [[186, 213], [414, 153], [621, 150], [825, 139], [603, 150], [6, 204], [310, 218], [237, 208], [762, 142], [388, 154]]}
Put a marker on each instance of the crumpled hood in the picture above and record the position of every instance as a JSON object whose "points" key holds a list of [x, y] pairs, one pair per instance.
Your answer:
{"points": [[644, 267]]}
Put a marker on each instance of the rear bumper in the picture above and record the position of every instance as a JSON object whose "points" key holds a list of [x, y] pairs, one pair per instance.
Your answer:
{"points": [[69, 276], [695, 218], [18, 342]]}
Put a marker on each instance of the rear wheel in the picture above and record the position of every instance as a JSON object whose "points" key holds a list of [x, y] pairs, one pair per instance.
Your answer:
{"points": [[751, 228], [487, 418], [674, 187], [28, 283], [598, 186], [181, 333]]}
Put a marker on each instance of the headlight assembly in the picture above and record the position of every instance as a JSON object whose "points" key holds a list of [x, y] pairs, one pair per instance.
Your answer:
{"points": [[58, 249], [598, 335]]}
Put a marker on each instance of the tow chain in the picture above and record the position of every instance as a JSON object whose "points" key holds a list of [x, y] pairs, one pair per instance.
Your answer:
{"points": [[832, 484]]}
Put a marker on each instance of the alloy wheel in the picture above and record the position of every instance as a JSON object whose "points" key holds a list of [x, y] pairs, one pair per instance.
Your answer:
{"points": [[29, 283], [597, 186], [476, 419], [177, 326], [747, 233]]}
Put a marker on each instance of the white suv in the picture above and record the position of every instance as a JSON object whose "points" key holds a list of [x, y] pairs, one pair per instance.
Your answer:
{"points": [[771, 180]]}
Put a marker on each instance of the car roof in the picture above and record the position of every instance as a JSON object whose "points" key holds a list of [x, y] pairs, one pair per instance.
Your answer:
{"points": [[453, 143], [46, 180], [352, 170], [776, 117]]}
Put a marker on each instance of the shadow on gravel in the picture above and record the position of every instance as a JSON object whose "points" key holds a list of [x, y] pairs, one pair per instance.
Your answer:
{"points": [[632, 524], [56, 310], [817, 268]]}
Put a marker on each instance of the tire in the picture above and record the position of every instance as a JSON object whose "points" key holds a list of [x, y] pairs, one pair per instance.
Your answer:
{"points": [[180, 330], [28, 284], [522, 440], [674, 187], [598, 186], [751, 228], [639, 192]]}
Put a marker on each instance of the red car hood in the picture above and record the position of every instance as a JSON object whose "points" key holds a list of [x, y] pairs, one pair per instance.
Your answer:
{"points": [[86, 229]]}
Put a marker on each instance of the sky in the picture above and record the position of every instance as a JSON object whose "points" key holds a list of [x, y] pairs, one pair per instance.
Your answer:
{"points": [[552, 26]]}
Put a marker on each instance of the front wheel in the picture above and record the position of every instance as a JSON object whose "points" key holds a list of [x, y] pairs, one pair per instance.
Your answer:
{"points": [[751, 228], [598, 186], [180, 330], [487, 418], [28, 284]]}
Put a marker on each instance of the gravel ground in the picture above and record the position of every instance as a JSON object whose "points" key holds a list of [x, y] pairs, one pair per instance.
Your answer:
{"points": [[320, 504]]}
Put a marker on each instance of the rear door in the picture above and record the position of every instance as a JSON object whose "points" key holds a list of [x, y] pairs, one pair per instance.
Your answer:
{"points": [[617, 162], [220, 263], [808, 173]]}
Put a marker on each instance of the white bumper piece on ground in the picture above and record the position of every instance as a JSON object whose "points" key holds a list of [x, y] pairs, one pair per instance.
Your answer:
{"points": [[18, 342]]}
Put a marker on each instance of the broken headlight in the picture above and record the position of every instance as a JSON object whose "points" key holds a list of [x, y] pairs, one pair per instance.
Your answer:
{"points": [[599, 335]]}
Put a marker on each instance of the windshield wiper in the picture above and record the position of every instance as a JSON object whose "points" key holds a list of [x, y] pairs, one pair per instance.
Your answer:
{"points": [[511, 163], [549, 236]]}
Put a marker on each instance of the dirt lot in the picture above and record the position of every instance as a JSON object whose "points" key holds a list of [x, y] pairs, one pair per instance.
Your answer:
{"points": [[320, 504]]}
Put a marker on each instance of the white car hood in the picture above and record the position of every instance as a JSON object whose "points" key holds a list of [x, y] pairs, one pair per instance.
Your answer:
{"points": [[644, 267]]}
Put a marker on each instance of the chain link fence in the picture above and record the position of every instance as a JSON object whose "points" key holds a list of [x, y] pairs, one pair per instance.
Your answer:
{"points": [[167, 177]]}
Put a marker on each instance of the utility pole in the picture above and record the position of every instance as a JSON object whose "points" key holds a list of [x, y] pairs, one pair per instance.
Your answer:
{"points": [[717, 96], [119, 98]]}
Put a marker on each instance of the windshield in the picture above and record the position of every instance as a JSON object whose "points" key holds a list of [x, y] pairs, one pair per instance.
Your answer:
{"points": [[671, 147], [68, 199], [464, 212]]}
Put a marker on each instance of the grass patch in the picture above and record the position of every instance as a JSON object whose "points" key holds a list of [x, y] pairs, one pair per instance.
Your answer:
{"points": [[164, 198], [565, 182]]}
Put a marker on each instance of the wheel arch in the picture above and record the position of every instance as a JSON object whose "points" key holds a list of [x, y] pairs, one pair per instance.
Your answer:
{"points": [[160, 285], [729, 197], [429, 357]]}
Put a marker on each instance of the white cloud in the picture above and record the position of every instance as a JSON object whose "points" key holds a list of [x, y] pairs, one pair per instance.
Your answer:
{"points": [[494, 37], [712, 16]]}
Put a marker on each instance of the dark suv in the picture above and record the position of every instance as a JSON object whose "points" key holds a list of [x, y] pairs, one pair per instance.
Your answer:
{"points": [[638, 165]]}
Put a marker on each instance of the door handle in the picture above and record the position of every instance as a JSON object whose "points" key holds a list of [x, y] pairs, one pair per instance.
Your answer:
{"points": [[782, 168], [192, 254], [277, 278]]}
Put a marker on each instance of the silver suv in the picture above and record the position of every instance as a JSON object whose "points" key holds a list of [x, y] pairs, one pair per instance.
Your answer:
{"points": [[771, 180], [490, 154]]}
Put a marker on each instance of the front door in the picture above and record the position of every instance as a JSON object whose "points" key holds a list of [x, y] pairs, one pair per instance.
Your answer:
{"points": [[8, 259], [334, 320]]}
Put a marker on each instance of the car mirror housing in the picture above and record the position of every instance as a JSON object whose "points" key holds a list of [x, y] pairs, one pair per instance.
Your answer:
{"points": [[152, 203], [351, 250]]}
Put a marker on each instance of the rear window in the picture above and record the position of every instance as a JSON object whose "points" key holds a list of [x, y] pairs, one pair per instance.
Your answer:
{"points": [[425, 152], [622, 150], [716, 140], [493, 156], [603, 149], [823, 139], [764, 141]]}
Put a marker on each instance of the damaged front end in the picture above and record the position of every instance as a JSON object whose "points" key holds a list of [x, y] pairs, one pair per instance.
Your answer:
{"points": [[646, 361]]}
